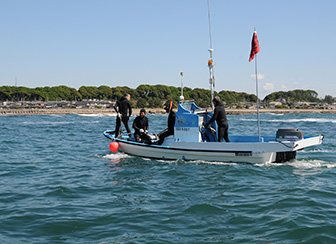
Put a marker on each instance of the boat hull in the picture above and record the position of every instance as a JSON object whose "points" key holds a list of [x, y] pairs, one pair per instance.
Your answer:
{"points": [[171, 153], [253, 152]]}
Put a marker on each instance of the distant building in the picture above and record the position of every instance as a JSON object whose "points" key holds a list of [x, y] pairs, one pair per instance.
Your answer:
{"points": [[274, 104]]}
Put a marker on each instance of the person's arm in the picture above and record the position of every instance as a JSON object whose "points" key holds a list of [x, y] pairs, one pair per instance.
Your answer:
{"points": [[129, 108], [213, 118], [146, 125], [116, 106], [135, 124]]}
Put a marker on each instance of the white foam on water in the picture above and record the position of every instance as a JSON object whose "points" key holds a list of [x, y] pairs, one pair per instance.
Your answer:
{"points": [[307, 164], [146, 159], [97, 115], [219, 163], [312, 120], [117, 155], [211, 162], [194, 162], [276, 114], [58, 122], [302, 164], [316, 151]]}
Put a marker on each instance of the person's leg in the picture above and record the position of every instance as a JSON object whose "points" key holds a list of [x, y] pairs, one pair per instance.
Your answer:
{"points": [[137, 137], [118, 124], [125, 122], [220, 133], [146, 139], [226, 133], [162, 137]]}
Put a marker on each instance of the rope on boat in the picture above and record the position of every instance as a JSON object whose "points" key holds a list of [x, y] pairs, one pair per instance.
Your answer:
{"points": [[294, 146]]}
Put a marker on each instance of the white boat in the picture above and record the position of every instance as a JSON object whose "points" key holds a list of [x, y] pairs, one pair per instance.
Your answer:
{"points": [[192, 141]]}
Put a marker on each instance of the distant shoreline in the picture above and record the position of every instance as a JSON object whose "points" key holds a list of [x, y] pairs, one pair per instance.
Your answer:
{"points": [[154, 111]]}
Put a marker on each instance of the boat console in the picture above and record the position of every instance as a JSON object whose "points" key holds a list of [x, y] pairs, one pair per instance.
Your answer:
{"points": [[189, 124]]}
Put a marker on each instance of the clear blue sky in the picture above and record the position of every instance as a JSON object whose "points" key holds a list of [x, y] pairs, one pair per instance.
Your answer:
{"points": [[133, 42]]}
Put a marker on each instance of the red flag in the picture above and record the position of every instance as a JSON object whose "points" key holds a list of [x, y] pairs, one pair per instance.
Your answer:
{"points": [[255, 46]]}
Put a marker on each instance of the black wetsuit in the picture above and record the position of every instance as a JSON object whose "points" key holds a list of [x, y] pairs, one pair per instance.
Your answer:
{"points": [[220, 117], [124, 108], [170, 131], [141, 123]]}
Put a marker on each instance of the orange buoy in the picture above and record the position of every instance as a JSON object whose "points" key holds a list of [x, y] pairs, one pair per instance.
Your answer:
{"points": [[114, 146]]}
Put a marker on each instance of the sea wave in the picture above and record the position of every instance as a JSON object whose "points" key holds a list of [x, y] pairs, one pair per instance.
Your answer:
{"points": [[309, 164], [275, 114], [302, 164], [114, 156], [316, 150], [57, 122], [313, 120], [61, 184], [97, 115], [212, 162]]}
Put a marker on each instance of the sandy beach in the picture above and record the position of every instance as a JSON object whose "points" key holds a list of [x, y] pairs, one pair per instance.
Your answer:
{"points": [[152, 111]]}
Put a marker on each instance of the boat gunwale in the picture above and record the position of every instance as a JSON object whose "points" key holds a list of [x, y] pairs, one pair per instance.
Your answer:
{"points": [[140, 144]]}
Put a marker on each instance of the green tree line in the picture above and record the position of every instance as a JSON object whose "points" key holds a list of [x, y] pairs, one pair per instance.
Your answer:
{"points": [[294, 96], [146, 95]]}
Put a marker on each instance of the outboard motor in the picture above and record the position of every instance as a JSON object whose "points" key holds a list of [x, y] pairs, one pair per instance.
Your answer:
{"points": [[289, 134]]}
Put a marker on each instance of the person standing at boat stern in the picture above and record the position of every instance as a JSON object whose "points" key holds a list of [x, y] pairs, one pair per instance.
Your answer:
{"points": [[124, 111], [140, 125], [220, 117], [171, 123]]}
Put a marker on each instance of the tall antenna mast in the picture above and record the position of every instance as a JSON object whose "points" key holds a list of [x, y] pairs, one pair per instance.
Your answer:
{"points": [[210, 61], [182, 97]]}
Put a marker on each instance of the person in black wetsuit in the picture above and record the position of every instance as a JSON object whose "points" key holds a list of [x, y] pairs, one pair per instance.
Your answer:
{"points": [[124, 111], [140, 125], [220, 117], [171, 123]]}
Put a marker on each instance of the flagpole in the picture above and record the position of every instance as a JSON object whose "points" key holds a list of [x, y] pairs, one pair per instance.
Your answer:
{"points": [[182, 97], [253, 55], [256, 73], [211, 61]]}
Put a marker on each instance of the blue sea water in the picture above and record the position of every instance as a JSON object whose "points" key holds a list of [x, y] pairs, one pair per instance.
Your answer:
{"points": [[61, 184]]}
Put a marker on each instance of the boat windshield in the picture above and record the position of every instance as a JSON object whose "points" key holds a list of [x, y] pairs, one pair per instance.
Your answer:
{"points": [[190, 106]]}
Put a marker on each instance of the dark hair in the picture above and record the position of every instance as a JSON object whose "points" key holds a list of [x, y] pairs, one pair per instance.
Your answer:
{"points": [[216, 100], [142, 110]]}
